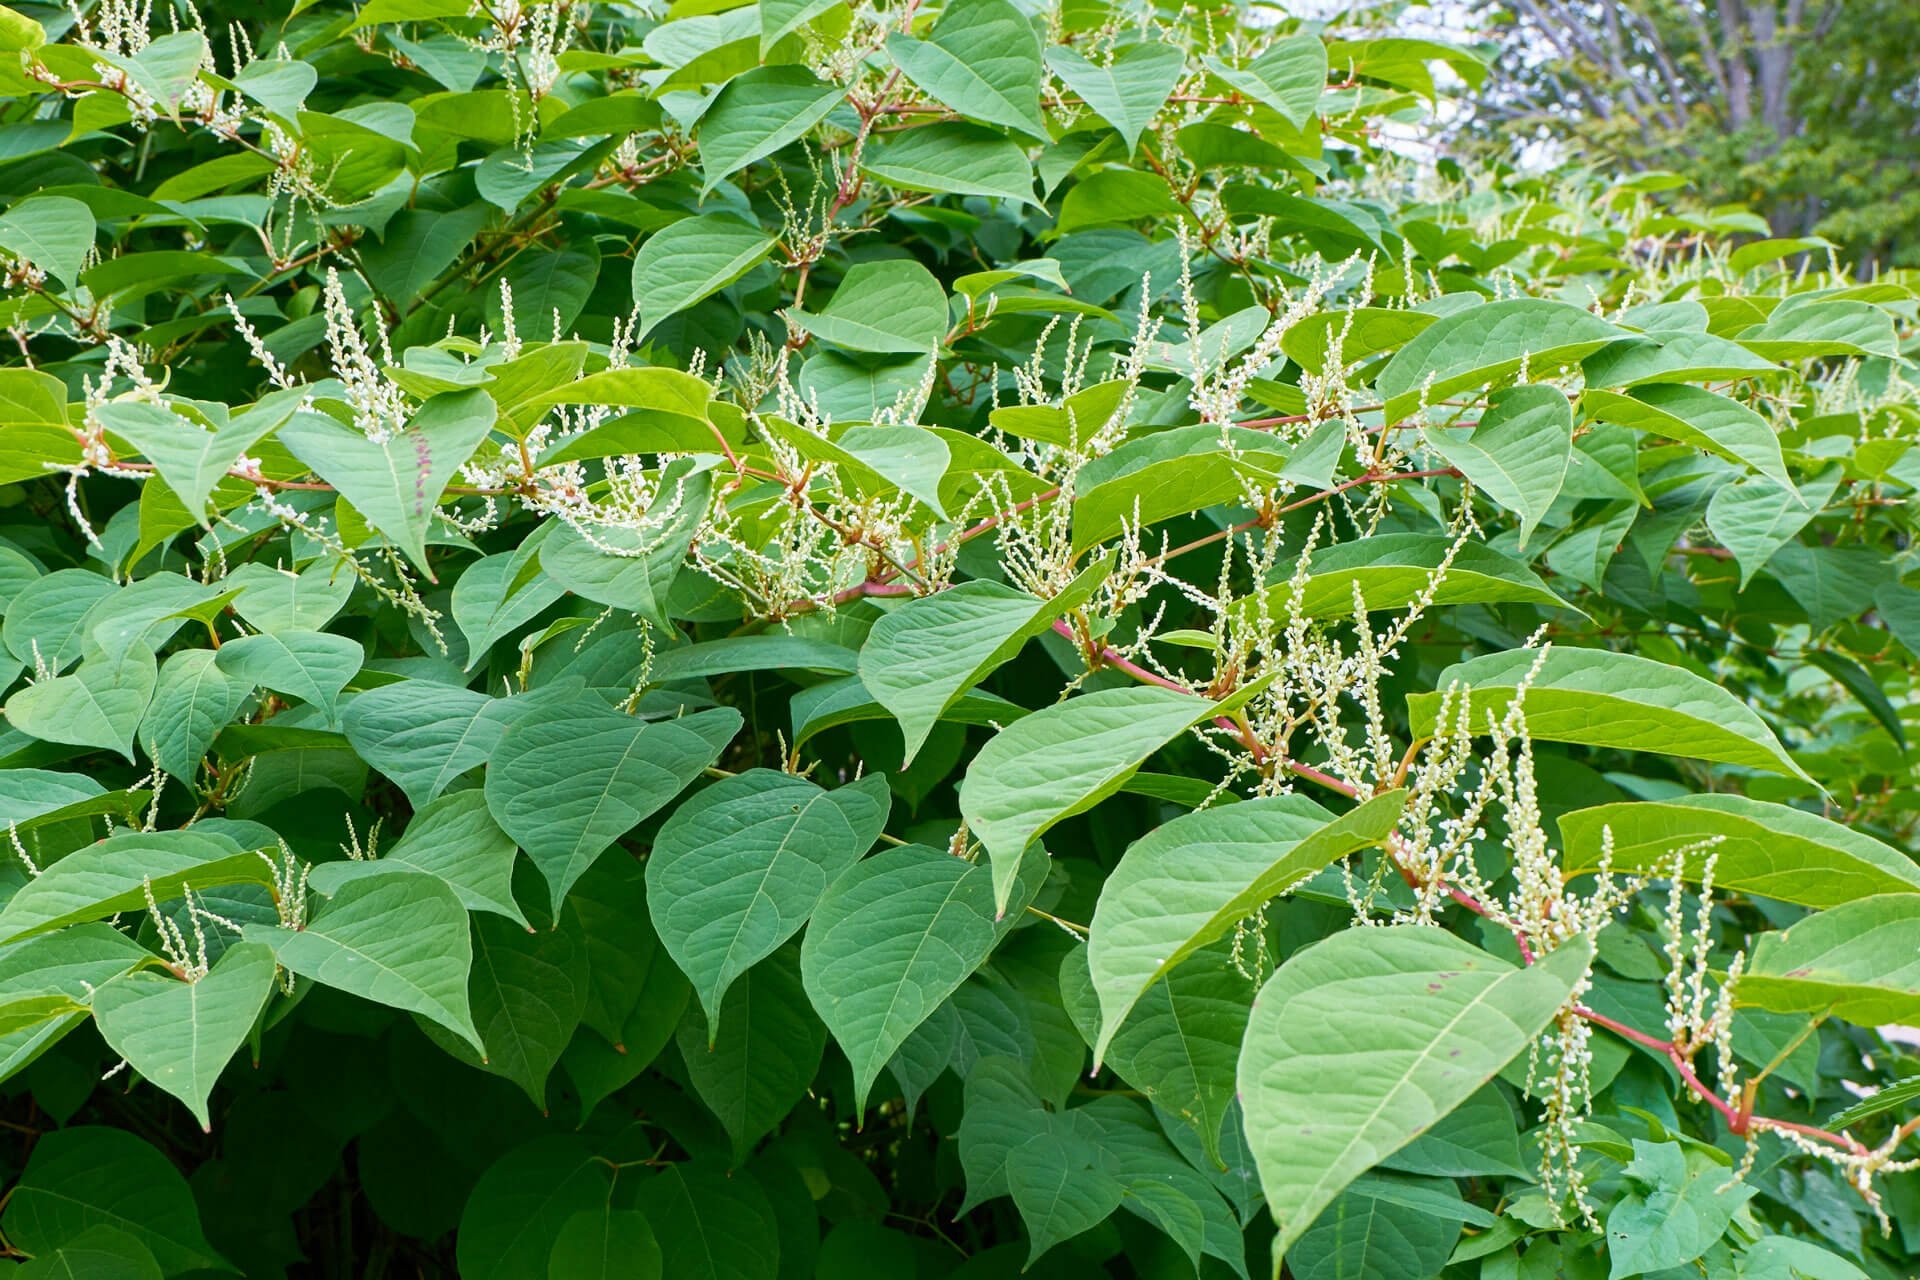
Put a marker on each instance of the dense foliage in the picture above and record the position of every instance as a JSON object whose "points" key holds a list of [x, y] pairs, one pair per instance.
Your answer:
{"points": [[791, 639]]}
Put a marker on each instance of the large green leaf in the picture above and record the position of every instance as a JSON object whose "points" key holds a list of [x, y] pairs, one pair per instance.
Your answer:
{"points": [[87, 1177], [1756, 516], [1062, 761], [397, 938], [982, 58], [523, 1203], [1393, 570], [396, 483], [528, 990], [739, 867], [1360, 1042], [965, 159], [192, 702], [455, 838], [692, 259], [1773, 850], [1487, 343], [190, 457], [893, 307], [710, 1225], [1288, 76], [99, 705], [758, 113], [1128, 89], [921, 657], [1518, 453], [1859, 961], [112, 876], [571, 778], [1180, 1044], [894, 937], [1679, 1204], [1605, 699], [1189, 882], [423, 734], [312, 666], [53, 233], [1697, 417], [180, 1035], [759, 1060]]}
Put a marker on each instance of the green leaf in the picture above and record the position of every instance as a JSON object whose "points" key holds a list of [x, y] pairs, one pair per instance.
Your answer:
{"points": [[396, 483], [783, 17], [192, 702], [1189, 882], [1129, 90], [190, 457], [1360, 1042], [53, 233], [1289, 76], [888, 307], [1365, 1237], [1811, 328], [1859, 961], [1772, 850], [738, 868], [893, 938], [497, 595], [964, 159], [1606, 699], [98, 1253], [691, 260], [637, 570], [454, 839], [923, 656], [983, 60], [711, 1225], [1784, 1258], [1180, 1044], [275, 600], [312, 666], [1876, 1103], [1695, 416], [1518, 453], [83, 1178], [1486, 344], [1680, 1203], [523, 1203], [1756, 516], [423, 734], [181, 1035], [1064, 760], [110, 876], [758, 113], [610, 1244], [758, 1060], [99, 705], [570, 779], [33, 407], [1477, 1139], [1393, 570], [44, 623], [527, 992], [396, 938]]}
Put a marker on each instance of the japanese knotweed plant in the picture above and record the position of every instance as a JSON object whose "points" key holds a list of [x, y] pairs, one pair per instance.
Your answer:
{"points": [[743, 642]]}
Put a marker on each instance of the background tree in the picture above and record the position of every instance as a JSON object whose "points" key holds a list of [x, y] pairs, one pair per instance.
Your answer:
{"points": [[1807, 112]]}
